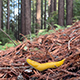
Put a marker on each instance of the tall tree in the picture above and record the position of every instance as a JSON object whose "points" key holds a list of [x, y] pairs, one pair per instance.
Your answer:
{"points": [[69, 9], [50, 11], [4, 13], [0, 12], [33, 11], [45, 16], [8, 14], [38, 14], [61, 12], [23, 17], [28, 16], [49, 7], [54, 5], [19, 18], [41, 14]]}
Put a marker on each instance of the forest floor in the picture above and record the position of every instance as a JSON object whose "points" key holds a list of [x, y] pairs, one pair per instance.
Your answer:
{"points": [[63, 44]]}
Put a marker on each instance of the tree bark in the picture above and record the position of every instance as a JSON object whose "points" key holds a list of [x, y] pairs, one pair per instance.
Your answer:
{"points": [[38, 14], [19, 18], [45, 16], [69, 9], [61, 12], [41, 14], [49, 7], [8, 14], [23, 18], [54, 5], [28, 16], [50, 11], [33, 17], [0, 12]]}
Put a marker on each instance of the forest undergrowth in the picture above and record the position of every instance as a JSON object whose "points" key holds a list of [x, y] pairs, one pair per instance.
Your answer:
{"points": [[63, 44]]}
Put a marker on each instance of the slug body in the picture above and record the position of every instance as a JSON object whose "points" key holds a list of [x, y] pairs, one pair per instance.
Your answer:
{"points": [[44, 66], [32, 63]]}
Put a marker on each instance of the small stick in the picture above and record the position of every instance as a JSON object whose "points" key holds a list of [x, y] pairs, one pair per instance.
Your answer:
{"points": [[69, 42], [70, 73], [50, 55], [4, 68]]}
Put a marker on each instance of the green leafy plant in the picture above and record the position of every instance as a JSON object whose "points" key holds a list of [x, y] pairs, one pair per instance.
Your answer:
{"points": [[8, 45], [59, 27], [31, 36], [76, 9], [4, 39]]}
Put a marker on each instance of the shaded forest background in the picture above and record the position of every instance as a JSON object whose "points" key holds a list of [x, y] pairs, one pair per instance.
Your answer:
{"points": [[29, 16]]}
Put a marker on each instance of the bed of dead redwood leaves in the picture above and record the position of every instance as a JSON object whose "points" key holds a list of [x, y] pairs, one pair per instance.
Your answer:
{"points": [[54, 47]]}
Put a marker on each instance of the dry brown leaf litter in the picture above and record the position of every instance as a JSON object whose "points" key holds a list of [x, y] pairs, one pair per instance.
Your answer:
{"points": [[54, 47]]}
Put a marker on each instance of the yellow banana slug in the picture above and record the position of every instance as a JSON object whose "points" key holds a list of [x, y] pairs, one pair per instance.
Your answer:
{"points": [[44, 66]]}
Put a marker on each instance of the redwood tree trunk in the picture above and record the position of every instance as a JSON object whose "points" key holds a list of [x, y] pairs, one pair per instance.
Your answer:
{"points": [[52, 10], [45, 16], [28, 16], [8, 14], [33, 17], [49, 7], [69, 9], [23, 18], [41, 14], [38, 14], [61, 12], [54, 5], [0, 13]]}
